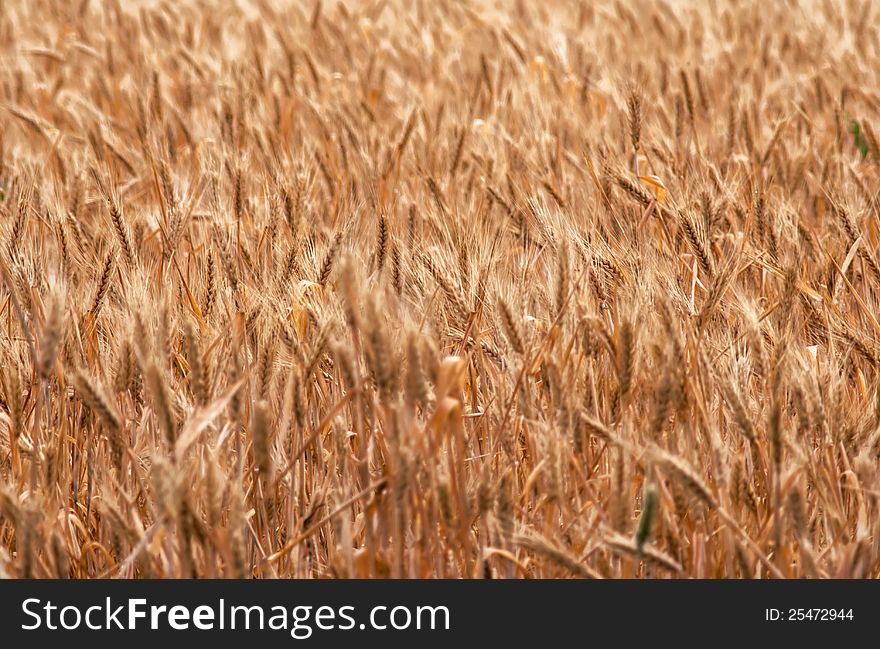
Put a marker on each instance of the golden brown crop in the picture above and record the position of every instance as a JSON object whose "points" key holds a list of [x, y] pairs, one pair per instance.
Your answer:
{"points": [[439, 289]]}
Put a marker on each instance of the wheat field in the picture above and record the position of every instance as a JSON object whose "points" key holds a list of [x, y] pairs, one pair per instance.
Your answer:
{"points": [[458, 289]]}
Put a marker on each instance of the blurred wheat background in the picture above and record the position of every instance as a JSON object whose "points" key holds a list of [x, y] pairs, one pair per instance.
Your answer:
{"points": [[439, 289]]}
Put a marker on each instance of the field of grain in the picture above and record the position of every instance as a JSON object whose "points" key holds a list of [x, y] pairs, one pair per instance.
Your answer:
{"points": [[439, 289]]}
